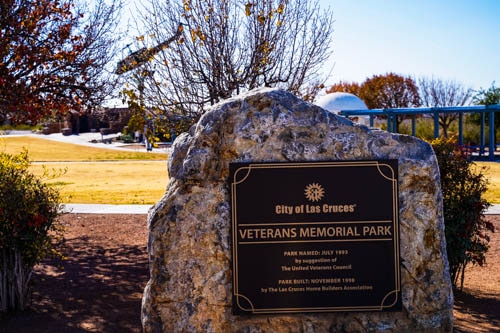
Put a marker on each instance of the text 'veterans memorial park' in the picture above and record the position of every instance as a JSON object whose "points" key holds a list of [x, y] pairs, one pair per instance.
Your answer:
{"points": [[323, 235]]}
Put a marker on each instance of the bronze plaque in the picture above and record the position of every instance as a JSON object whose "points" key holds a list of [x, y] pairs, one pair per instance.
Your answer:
{"points": [[315, 237]]}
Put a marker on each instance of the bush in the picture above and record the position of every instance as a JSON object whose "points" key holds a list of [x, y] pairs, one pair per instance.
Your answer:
{"points": [[472, 135], [424, 128], [126, 138], [466, 228], [28, 226]]}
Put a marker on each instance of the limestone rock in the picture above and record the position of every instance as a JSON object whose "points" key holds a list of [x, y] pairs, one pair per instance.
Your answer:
{"points": [[189, 246]]}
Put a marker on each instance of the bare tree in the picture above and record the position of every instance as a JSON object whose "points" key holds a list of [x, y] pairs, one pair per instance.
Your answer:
{"points": [[440, 93], [100, 33], [227, 47]]}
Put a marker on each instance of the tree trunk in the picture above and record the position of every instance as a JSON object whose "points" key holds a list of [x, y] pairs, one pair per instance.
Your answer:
{"points": [[15, 276]]}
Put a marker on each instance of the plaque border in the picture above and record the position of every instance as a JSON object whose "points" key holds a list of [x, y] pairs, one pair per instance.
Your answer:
{"points": [[249, 166]]}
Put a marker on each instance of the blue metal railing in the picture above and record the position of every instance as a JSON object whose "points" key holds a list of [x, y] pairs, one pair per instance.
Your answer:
{"points": [[392, 114]]}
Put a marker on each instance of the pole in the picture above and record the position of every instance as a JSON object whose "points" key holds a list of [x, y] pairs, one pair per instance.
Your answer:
{"points": [[436, 124], [492, 145], [482, 144], [461, 129]]}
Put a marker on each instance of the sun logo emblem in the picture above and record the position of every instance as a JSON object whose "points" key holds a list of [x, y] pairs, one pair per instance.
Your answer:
{"points": [[314, 192]]}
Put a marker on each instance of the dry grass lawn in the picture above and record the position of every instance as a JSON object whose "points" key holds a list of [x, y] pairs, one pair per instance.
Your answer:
{"points": [[120, 182], [106, 176], [95, 175], [493, 176], [45, 150]]}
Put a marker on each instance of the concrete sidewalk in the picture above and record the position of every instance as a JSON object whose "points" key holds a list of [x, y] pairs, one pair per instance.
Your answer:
{"points": [[92, 139], [143, 209], [494, 210], [106, 209]]}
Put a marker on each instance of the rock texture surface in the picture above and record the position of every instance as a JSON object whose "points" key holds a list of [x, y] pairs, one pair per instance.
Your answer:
{"points": [[190, 241]]}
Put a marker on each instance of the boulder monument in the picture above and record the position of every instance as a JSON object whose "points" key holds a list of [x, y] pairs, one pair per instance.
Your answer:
{"points": [[190, 228]]}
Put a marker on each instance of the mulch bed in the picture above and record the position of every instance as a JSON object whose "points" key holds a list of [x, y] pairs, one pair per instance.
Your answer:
{"points": [[98, 288]]}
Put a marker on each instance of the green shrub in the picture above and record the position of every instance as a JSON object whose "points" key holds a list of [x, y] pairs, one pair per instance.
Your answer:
{"points": [[424, 128], [28, 226], [463, 188], [19, 127], [472, 135], [126, 138]]}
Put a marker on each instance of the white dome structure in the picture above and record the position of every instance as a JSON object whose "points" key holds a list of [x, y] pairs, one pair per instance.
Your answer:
{"points": [[342, 101]]}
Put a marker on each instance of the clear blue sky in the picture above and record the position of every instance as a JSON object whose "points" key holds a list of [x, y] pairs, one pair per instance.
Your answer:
{"points": [[448, 39]]}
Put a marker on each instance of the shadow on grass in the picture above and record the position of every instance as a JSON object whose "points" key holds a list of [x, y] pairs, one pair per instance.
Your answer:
{"points": [[96, 290]]}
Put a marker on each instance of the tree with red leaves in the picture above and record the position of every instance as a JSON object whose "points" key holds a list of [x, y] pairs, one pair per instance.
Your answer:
{"points": [[390, 91], [387, 91], [52, 56], [343, 86]]}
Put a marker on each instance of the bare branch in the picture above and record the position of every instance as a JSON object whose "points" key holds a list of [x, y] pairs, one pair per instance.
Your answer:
{"points": [[227, 47]]}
